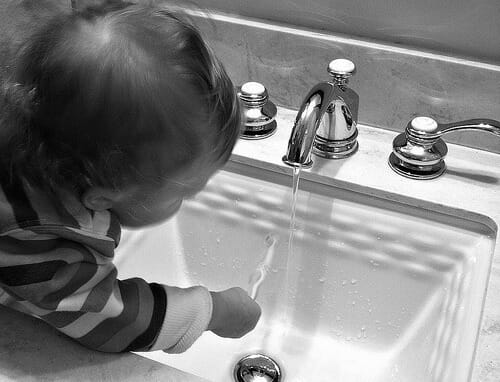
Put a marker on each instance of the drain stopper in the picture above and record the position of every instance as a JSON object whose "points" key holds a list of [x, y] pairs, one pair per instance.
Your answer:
{"points": [[257, 367]]}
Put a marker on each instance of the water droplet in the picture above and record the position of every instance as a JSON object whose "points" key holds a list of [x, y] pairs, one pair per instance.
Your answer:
{"points": [[218, 240], [363, 328], [338, 318], [354, 303], [344, 282], [322, 279], [203, 264], [354, 281]]}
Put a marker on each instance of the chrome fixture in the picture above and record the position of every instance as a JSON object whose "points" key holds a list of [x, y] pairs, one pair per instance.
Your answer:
{"points": [[419, 152], [257, 367], [326, 121], [259, 111]]}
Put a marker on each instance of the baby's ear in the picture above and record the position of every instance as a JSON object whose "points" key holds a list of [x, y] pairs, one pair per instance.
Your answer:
{"points": [[99, 199]]}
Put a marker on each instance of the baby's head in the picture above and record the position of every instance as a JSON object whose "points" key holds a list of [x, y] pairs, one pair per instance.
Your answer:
{"points": [[128, 108]]}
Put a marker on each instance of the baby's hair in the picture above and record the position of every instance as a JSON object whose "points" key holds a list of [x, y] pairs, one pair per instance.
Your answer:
{"points": [[99, 92]]}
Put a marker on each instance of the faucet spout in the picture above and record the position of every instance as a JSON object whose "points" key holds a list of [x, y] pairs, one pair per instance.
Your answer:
{"points": [[308, 120], [326, 120]]}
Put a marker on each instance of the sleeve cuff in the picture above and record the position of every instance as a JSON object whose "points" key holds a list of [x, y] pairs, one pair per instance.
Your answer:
{"points": [[188, 314]]}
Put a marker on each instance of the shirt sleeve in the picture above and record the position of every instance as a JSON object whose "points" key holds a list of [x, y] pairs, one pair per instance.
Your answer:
{"points": [[76, 290]]}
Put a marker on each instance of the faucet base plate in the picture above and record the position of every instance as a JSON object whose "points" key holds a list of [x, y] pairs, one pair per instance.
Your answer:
{"points": [[335, 149], [341, 154], [260, 132], [416, 172]]}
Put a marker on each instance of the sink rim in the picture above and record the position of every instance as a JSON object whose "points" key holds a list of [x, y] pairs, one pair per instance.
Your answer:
{"points": [[252, 166]]}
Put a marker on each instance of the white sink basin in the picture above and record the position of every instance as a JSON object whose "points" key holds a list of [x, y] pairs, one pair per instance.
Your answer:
{"points": [[374, 290]]}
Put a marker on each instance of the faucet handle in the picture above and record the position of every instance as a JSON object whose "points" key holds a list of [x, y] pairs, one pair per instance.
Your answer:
{"points": [[419, 152], [258, 110], [341, 69], [253, 94], [426, 128]]}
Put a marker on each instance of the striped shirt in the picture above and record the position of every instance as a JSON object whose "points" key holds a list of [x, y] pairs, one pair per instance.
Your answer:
{"points": [[56, 263]]}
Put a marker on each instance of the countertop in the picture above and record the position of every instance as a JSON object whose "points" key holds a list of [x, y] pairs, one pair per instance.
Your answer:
{"points": [[31, 350]]}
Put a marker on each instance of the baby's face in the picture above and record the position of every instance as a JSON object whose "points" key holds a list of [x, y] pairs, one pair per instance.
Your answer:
{"points": [[148, 205]]}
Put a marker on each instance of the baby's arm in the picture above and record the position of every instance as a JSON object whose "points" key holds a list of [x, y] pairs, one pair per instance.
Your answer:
{"points": [[75, 289]]}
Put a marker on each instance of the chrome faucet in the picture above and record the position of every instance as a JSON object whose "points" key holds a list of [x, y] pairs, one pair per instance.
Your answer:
{"points": [[326, 121], [419, 152]]}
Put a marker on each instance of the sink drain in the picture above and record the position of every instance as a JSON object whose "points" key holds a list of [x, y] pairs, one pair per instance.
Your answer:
{"points": [[257, 367]]}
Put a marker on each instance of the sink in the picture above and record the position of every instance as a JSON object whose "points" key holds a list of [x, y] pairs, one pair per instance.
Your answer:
{"points": [[373, 289]]}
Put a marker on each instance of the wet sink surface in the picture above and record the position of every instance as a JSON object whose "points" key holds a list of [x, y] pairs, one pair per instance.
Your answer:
{"points": [[373, 290]]}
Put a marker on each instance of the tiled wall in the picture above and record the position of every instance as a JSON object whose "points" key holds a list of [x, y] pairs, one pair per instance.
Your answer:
{"points": [[461, 27], [458, 27]]}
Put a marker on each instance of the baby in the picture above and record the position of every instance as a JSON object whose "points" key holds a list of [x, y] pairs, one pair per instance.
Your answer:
{"points": [[112, 117]]}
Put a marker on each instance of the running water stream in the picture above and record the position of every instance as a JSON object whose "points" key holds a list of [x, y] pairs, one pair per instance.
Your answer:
{"points": [[295, 189], [260, 273], [289, 290]]}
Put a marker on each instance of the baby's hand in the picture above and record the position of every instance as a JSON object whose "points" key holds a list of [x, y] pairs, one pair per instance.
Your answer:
{"points": [[234, 313]]}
